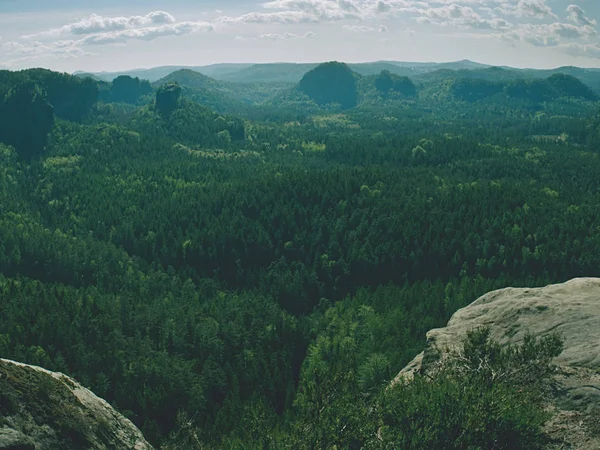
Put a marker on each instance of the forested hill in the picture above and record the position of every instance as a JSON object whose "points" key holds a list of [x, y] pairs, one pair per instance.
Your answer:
{"points": [[221, 95], [334, 85], [533, 90], [291, 73], [255, 278]]}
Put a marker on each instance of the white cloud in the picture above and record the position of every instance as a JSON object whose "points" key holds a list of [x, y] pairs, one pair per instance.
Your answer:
{"points": [[577, 15], [358, 28], [534, 8], [95, 23], [582, 50], [460, 17], [147, 34], [551, 34], [69, 40], [283, 17], [19, 52], [517, 22], [286, 36]]}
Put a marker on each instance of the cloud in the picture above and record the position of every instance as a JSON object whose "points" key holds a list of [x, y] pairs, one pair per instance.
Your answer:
{"points": [[71, 39], [283, 17], [460, 16], [577, 15], [582, 50], [513, 21], [286, 36], [147, 34], [549, 35], [320, 10], [534, 8], [97, 24], [27, 51], [358, 28]]}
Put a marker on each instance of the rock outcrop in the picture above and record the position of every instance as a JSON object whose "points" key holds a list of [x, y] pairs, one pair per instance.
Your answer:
{"points": [[43, 410], [331, 82], [573, 310]]}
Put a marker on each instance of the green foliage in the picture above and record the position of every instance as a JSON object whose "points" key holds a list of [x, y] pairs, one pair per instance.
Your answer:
{"points": [[71, 97], [129, 90], [485, 396], [167, 99], [26, 118], [189, 124], [533, 90], [386, 82], [257, 282], [475, 89]]}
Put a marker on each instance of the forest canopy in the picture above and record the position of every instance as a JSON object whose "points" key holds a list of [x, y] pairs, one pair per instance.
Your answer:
{"points": [[253, 272]]}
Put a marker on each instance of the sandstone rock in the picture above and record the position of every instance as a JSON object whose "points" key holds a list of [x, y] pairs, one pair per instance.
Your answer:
{"points": [[571, 309], [45, 410]]}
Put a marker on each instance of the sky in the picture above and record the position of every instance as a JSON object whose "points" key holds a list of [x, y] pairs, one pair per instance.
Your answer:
{"points": [[117, 35]]}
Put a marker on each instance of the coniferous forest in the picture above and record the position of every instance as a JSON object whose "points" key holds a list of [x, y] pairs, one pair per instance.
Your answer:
{"points": [[249, 265]]}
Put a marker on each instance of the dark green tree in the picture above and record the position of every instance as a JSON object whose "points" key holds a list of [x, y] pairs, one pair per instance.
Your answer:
{"points": [[26, 118], [129, 90], [167, 98]]}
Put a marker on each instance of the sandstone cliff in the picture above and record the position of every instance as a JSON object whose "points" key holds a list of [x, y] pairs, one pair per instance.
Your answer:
{"points": [[571, 309], [43, 410]]}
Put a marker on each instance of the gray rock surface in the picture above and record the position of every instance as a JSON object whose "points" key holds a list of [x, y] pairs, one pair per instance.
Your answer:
{"points": [[571, 309], [43, 410]]}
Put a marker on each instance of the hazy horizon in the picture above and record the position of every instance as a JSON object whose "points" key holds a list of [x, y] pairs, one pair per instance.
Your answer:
{"points": [[113, 35], [134, 69]]}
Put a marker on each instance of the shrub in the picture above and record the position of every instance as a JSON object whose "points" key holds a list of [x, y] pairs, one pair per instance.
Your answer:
{"points": [[484, 396]]}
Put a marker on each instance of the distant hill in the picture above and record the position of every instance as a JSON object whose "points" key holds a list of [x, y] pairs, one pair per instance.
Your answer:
{"points": [[84, 75], [221, 71], [266, 73], [280, 72], [331, 83], [192, 79], [200, 88], [292, 73], [220, 95], [589, 77], [531, 89]]}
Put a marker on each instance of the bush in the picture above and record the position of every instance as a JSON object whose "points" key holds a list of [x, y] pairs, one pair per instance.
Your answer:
{"points": [[484, 396]]}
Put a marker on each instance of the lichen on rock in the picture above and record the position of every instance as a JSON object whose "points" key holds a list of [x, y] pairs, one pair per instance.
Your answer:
{"points": [[43, 410]]}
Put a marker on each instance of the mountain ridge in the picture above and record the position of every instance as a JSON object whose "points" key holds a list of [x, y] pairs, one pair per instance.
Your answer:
{"points": [[243, 72]]}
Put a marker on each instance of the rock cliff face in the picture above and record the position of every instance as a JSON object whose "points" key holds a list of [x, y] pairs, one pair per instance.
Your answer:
{"points": [[43, 410], [571, 309]]}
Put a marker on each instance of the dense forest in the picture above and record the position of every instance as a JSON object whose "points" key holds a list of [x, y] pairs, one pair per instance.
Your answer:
{"points": [[249, 265]]}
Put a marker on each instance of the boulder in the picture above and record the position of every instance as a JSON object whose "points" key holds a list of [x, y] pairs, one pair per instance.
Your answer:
{"points": [[573, 310], [45, 410]]}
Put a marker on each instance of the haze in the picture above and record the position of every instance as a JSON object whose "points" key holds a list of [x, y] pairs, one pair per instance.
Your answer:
{"points": [[114, 35]]}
